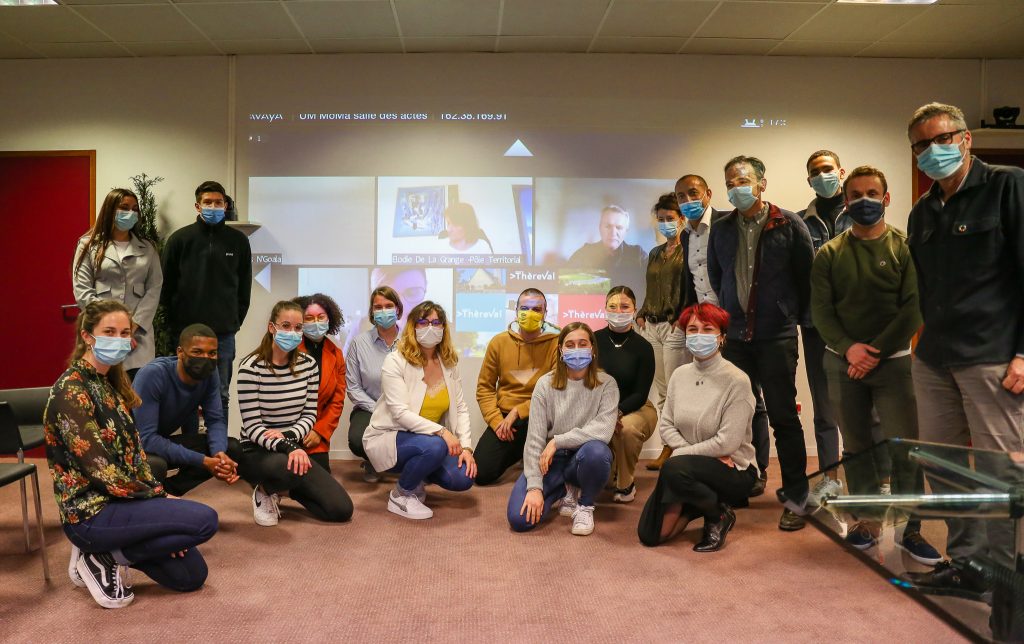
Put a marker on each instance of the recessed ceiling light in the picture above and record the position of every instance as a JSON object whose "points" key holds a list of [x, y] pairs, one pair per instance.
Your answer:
{"points": [[13, 3], [887, 1]]}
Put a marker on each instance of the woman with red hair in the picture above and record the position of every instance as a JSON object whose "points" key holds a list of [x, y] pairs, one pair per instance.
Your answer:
{"points": [[706, 421]]}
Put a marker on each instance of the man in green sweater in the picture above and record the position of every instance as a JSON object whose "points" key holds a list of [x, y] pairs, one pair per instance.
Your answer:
{"points": [[864, 303]]}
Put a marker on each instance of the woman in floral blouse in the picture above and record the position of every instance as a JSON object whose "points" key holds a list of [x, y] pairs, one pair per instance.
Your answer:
{"points": [[113, 510]]}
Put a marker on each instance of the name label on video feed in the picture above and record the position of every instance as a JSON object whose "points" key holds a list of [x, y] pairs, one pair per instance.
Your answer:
{"points": [[455, 260], [267, 258]]}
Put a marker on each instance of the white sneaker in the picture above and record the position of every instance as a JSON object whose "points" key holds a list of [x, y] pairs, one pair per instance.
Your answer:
{"points": [[570, 501], [264, 508], [583, 520], [421, 492], [76, 578], [408, 506], [625, 496], [823, 489]]}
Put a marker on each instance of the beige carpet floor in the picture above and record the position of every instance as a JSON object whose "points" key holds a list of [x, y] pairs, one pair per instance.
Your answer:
{"points": [[464, 576]]}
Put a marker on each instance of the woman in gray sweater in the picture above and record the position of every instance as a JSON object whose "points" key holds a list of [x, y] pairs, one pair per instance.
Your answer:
{"points": [[706, 422], [566, 458]]}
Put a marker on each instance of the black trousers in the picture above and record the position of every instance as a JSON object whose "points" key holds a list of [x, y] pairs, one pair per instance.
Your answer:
{"points": [[188, 476], [771, 367], [358, 421], [323, 459], [316, 490], [494, 456], [700, 484]]}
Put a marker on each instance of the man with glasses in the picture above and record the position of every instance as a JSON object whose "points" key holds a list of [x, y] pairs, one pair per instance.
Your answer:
{"points": [[967, 241], [207, 270]]}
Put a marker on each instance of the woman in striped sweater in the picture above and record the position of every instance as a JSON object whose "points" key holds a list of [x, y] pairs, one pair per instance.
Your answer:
{"points": [[277, 396]]}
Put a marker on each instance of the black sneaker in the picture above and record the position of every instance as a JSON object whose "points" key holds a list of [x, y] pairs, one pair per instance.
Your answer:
{"points": [[759, 485], [625, 495], [104, 579], [950, 578]]}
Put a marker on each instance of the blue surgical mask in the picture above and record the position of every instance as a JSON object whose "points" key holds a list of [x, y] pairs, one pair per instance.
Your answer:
{"points": [[110, 350], [385, 318], [287, 340], [742, 197], [702, 345], [125, 219], [826, 184], [865, 211], [577, 359], [668, 228], [213, 215], [692, 210], [940, 161], [315, 330]]}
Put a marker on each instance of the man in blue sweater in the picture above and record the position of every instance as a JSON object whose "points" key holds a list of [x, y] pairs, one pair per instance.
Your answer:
{"points": [[173, 390]]}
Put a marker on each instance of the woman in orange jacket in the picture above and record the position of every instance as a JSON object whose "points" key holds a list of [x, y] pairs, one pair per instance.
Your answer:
{"points": [[322, 317]]}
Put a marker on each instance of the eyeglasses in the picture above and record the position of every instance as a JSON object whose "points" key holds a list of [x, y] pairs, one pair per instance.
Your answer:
{"points": [[287, 327], [424, 323], [943, 139], [319, 318]]}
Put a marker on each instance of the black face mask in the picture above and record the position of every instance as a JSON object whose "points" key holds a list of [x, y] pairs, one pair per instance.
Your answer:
{"points": [[198, 368]]}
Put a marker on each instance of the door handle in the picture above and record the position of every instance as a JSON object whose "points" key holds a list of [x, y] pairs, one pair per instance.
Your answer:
{"points": [[65, 307]]}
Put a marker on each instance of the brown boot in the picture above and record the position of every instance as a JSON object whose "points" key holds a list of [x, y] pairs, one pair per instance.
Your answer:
{"points": [[656, 464]]}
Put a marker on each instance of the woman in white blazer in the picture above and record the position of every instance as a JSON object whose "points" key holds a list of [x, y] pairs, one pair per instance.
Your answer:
{"points": [[114, 261], [420, 426]]}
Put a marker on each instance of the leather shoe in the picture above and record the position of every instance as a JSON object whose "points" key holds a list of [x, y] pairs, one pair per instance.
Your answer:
{"points": [[759, 485], [714, 533], [656, 464], [951, 578], [791, 521]]}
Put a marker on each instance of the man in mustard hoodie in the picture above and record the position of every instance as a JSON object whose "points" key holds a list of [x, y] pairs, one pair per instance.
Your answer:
{"points": [[514, 362]]}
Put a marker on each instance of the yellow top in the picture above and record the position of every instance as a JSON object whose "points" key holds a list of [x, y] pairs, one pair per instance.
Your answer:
{"points": [[435, 403]]}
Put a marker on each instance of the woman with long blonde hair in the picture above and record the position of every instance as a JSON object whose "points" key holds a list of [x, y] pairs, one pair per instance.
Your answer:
{"points": [[420, 426]]}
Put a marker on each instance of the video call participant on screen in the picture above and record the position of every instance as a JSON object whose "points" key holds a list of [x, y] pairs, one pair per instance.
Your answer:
{"points": [[364, 359], [572, 418], [322, 317], [463, 233], [865, 305], [825, 176], [207, 270], [513, 363], [624, 263], [277, 393], [706, 422], [117, 260], [420, 427], [172, 390], [967, 241], [759, 261], [625, 355], [112, 509]]}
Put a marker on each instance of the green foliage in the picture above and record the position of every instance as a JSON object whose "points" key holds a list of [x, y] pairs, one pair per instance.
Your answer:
{"points": [[143, 185]]}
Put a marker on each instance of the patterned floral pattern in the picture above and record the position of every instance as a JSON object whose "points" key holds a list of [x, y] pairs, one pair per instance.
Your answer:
{"points": [[92, 446]]}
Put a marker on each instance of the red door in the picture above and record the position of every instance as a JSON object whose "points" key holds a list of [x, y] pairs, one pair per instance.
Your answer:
{"points": [[46, 204]]}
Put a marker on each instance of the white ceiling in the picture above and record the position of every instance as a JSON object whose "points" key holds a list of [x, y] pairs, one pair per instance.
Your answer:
{"points": [[104, 28]]}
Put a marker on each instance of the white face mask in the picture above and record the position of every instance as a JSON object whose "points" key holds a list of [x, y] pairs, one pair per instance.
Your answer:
{"points": [[618, 321], [430, 336]]}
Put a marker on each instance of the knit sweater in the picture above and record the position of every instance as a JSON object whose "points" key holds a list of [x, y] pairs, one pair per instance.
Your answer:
{"points": [[865, 290], [510, 371], [572, 417], [271, 397], [708, 411]]}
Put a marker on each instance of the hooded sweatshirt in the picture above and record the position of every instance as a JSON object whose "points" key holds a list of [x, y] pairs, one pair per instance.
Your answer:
{"points": [[512, 366]]}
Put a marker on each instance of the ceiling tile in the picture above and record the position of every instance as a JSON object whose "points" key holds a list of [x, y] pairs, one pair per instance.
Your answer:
{"points": [[942, 23], [242, 21], [451, 43], [856, 22], [47, 24], [656, 18], [98, 2], [757, 20], [80, 50], [542, 44], [732, 46], [818, 48], [638, 45], [568, 18], [916, 50], [329, 20], [141, 23], [356, 45], [179, 48], [257, 47], [420, 18], [12, 49]]}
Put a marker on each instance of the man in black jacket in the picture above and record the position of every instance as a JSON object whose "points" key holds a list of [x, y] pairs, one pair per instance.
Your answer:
{"points": [[759, 262], [207, 270], [967, 241]]}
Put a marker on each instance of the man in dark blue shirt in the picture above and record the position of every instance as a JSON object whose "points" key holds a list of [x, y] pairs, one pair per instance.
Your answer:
{"points": [[173, 390]]}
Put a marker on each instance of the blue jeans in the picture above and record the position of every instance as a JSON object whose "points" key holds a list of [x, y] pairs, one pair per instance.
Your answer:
{"points": [[143, 534], [424, 458], [225, 358], [587, 468]]}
